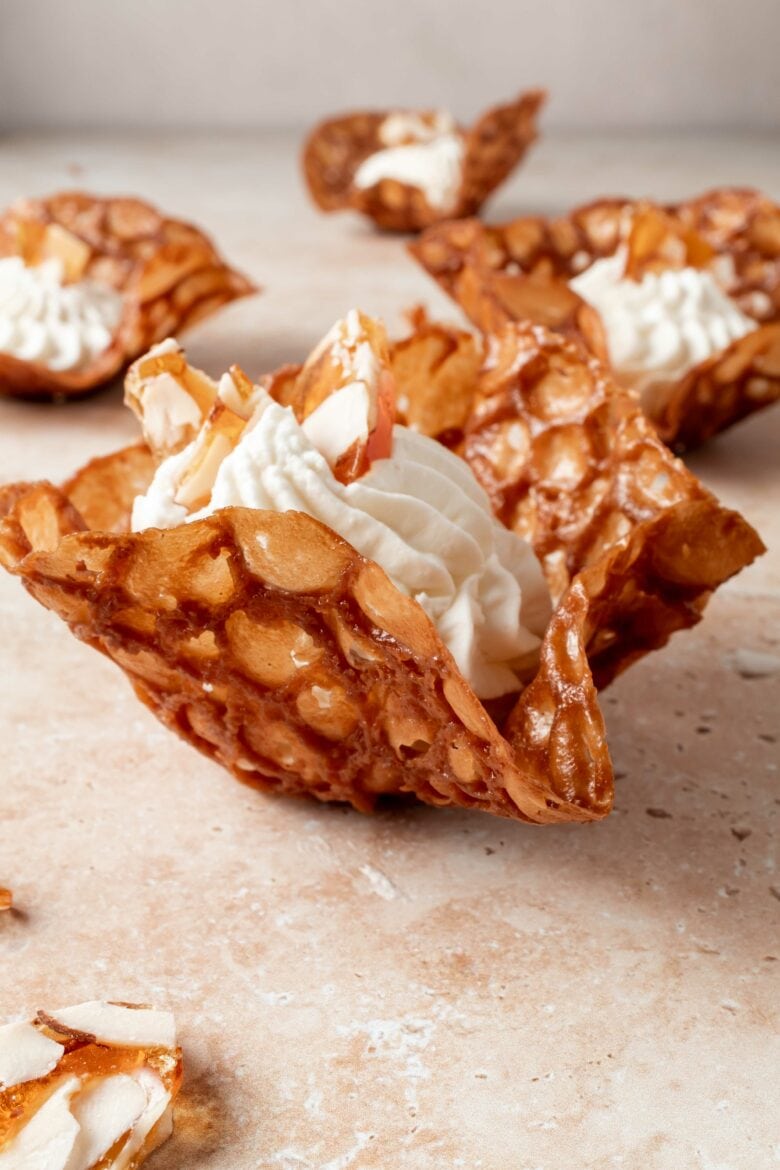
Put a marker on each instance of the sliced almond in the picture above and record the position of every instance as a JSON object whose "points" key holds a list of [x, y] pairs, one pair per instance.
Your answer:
{"points": [[160, 1131], [153, 1127], [74, 254], [76, 1106], [26, 1054], [115, 1025], [238, 392], [655, 240], [169, 398], [48, 1138], [219, 436], [105, 1110], [345, 396], [339, 421]]}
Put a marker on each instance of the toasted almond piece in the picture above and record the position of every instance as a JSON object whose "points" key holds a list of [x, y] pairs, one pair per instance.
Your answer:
{"points": [[46, 1142], [169, 398], [344, 396], [238, 392], [154, 1126], [74, 254], [25, 1054], [218, 437], [114, 1024], [105, 1111], [656, 239]]}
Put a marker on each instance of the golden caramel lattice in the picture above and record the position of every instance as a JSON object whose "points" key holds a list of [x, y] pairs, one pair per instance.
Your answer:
{"points": [[492, 148], [272, 646], [168, 272], [6, 898], [521, 270], [436, 369], [102, 492], [355, 350], [177, 404], [266, 640], [571, 463]]}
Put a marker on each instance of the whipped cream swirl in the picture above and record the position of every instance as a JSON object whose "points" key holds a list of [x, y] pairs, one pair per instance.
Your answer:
{"points": [[660, 327], [420, 514], [42, 319], [424, 154]]}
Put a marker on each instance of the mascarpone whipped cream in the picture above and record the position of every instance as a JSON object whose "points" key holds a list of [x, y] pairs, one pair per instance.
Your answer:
{"points": [[660, 327], [42, 319], [420, 514], [425, 154]]}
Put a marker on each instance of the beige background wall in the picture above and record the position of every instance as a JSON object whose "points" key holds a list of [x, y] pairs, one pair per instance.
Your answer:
{"points": [[656, 63]]}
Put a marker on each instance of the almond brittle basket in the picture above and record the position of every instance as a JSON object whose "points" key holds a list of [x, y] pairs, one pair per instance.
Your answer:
{"points": [[521, 270], [267, 642], [168, 273], [492, 148]]}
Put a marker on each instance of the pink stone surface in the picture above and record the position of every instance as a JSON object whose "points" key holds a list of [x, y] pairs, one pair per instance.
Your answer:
{"points": [[417, 990]]}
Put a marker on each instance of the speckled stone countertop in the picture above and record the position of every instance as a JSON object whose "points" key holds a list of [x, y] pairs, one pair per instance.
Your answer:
{"points": [[418, 990]]}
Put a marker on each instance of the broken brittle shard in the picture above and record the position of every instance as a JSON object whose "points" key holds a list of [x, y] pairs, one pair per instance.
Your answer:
{"points": [[270, 644], [147, 275], [90, 1087], [408, 169], [6, 898], [723, 246]]}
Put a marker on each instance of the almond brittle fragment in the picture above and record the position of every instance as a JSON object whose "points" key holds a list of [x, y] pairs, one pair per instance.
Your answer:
{"points": [[436, 369], [408, 169], [343, 395], [90, 1087], [169, 398], [683, 300], [6, 899], [108, 278]]}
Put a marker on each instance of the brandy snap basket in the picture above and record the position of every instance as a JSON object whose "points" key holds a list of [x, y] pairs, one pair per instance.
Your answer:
{"points": [[493, 147], [521, 270], [168, 273], [271, 645]]}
